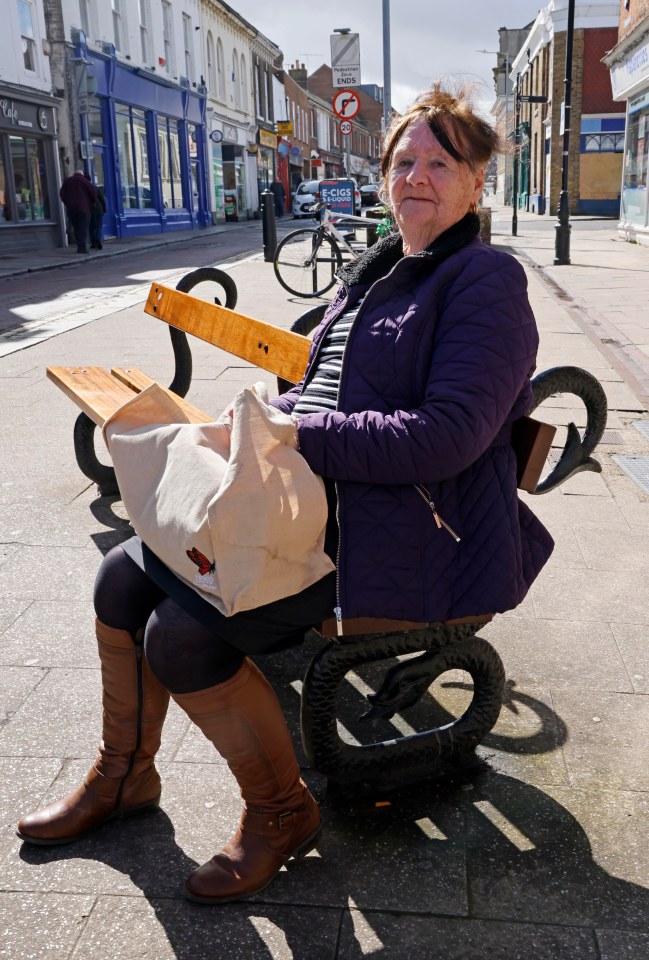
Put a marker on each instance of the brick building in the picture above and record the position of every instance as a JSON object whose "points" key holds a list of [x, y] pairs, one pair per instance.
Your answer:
{"points": [[628, 62], [597, 121], [365, 140]]}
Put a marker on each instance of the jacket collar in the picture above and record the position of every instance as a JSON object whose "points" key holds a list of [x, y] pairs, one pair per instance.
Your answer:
{"points": [[382, 257]]}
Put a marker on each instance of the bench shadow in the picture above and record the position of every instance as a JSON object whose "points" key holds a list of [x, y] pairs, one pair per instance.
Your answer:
{"points": [[496, 849]]}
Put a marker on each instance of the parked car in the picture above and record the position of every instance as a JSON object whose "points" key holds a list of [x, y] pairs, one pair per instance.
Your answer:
{"points": [[305, 196], [370, 195]]}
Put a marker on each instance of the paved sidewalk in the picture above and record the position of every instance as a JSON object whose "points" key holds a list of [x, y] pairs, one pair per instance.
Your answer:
{"points": [[542, 856]]}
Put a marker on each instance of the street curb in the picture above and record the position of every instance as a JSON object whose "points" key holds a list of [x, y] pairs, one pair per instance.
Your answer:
{"points": [[109, 253]]}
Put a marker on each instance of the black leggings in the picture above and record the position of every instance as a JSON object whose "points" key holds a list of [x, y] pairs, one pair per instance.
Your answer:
{"points": [[186, 654]]}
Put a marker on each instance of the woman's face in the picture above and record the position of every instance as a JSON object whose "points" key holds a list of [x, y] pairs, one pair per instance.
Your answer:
{"points": [[429, 190]]}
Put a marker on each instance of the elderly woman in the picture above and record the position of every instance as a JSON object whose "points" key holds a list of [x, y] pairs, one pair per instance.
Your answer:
{"points": [[417, 372]]}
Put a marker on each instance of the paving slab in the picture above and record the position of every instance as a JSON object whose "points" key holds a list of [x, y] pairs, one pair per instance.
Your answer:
{"points": [[529, 857], [368, 933], [167, 929], [38, 925], [538, 852]]}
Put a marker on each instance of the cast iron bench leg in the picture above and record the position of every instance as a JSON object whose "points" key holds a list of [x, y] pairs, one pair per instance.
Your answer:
{"points": [[420, 755]]}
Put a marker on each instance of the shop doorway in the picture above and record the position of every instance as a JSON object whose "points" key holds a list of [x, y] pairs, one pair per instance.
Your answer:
{"points": [[99, 180]]}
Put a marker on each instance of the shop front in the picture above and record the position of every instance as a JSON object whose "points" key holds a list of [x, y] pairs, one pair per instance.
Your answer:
{"points": [[229, 188], [630, 81], [30, 212], [144, 142]]}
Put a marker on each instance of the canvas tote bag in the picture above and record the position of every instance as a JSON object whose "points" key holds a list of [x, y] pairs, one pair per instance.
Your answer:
{"points": [[235, 513]]}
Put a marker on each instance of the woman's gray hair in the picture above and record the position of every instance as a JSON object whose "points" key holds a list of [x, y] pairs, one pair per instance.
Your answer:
{"points": [[450, 113]]}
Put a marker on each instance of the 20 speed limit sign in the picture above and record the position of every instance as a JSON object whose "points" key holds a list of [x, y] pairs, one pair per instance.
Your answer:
{"points": [[346, 104], [345, 127]]}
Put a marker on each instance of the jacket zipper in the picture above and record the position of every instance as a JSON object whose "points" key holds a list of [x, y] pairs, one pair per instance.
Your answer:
{"points": [[423, 492], [338, 613]]}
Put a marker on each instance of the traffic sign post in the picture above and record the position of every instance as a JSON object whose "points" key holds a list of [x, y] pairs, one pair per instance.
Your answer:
{"points": [[346, 104], [345, 60]]}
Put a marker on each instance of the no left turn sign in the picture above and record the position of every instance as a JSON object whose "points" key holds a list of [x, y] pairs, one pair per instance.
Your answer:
{"points": [[346, 104], [346, 127]]}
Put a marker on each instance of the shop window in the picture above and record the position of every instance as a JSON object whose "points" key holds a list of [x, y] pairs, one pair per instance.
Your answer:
{"points": [[25, 15], [168, 35], [30, 181], [132, 151], [169, 149], [5, 204], [95, 124]]}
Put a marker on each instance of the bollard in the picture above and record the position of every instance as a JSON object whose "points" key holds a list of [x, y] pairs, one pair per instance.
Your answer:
{"points": [[268, 225], [372, 233]]}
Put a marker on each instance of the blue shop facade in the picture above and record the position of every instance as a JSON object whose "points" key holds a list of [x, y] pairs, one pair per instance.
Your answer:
{"points": [[143, 142]]}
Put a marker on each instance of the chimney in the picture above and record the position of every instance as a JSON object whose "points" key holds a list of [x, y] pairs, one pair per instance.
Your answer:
{"points": [[298, 73]]}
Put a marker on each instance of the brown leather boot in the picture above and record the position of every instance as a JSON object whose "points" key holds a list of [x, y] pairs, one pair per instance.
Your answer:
{"points": [[243, 719], [123, 780]]}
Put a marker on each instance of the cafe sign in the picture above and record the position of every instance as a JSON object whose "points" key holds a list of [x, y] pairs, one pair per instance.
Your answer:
{"points": [[27, 116]]}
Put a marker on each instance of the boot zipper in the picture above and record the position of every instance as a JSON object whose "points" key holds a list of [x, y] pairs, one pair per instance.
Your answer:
{"points": [[138, 641], [423, 492]]}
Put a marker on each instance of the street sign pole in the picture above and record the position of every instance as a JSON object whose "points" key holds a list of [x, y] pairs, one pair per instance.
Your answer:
{"points": [[517, 140]]}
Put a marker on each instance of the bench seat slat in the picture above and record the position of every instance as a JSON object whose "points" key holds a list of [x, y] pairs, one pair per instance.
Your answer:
{"points": [[92, 389], [137, 380], [281, 352]]}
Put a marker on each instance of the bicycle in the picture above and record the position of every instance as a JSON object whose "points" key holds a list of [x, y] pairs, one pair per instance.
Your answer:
{"points": [[307, 260]]}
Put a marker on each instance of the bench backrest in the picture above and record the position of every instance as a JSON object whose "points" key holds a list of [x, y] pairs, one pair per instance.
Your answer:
{"points": [[281, 352], [285, 354]]}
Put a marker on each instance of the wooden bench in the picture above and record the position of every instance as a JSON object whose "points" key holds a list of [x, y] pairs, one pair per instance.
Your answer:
{"points": [[438, 647]]}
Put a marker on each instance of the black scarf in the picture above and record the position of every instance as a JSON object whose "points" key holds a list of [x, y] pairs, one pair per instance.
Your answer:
{"points": [[382, 257]]}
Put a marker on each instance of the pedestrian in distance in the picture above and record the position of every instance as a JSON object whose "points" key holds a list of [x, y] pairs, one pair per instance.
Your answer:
{"points": [[79, 197], [279, 194], [97, 220], [417, 372]]}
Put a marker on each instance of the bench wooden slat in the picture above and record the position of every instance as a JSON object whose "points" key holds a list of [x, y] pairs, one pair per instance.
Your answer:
{"points": [[99, 393], [138, 381], [92, 389], [135, 379], [281, 352]]}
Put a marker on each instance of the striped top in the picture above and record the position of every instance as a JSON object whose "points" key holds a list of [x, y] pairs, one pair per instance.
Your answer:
{"points": [[321, 392]]}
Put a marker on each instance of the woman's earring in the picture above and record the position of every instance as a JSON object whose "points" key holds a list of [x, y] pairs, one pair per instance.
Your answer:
{"points": [[473, 207]]}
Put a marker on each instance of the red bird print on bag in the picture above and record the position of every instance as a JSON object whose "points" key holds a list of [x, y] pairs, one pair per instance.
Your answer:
{"points": [[201, 561]]}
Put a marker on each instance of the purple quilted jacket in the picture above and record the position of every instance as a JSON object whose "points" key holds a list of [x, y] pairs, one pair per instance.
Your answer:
{"points": [[436, 369]]}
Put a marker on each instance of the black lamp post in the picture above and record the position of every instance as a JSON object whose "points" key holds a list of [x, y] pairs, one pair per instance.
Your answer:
{"points": [[562, 226], [517, 141]]}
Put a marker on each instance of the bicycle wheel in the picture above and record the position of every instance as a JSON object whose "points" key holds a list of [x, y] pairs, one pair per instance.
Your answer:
{"points": [[306, 262]]}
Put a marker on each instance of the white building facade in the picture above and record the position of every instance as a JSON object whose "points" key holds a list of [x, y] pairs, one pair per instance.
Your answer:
{"points": [[30, 211]]}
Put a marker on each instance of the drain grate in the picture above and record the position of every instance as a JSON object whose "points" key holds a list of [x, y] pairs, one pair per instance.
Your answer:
{"points": [[635, 467], [611, 436], [642, 426]]}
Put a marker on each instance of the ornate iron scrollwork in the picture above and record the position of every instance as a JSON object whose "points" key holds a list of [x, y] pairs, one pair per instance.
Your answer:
{"points": [[420, 755], [576, 454]]}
